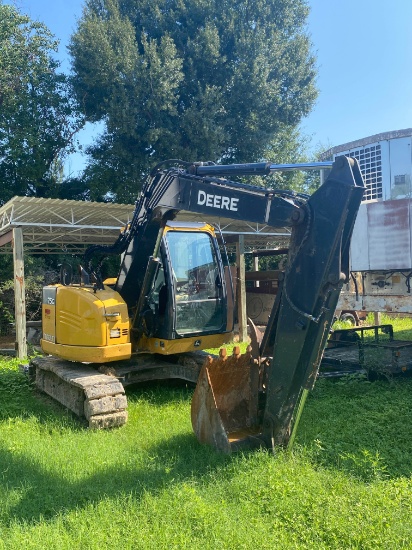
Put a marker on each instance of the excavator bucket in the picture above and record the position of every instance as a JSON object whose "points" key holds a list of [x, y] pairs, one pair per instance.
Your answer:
{"points": [[225, 403]]}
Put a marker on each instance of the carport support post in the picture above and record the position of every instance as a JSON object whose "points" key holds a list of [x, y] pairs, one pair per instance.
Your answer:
{"points": [[19, 293], [241, 289], [256, 265]]}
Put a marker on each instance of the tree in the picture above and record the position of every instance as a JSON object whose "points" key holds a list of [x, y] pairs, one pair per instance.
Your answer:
{"points": [[221, 80], [38, 116]]}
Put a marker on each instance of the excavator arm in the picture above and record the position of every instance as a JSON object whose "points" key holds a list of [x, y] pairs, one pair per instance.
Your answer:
{"points": [[231, 408]]}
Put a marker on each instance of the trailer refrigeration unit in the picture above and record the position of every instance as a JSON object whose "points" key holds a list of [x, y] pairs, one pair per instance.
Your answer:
{"points": [[381, 248]]}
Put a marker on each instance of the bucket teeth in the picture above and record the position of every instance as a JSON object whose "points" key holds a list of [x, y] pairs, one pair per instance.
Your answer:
{"points": [[225, 402]]}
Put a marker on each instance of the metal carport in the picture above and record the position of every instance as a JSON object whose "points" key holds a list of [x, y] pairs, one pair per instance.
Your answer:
{"points": [[31, 225]]}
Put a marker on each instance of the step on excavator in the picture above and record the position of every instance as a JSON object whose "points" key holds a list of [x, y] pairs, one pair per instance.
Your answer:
{"points": [[173, 298]]}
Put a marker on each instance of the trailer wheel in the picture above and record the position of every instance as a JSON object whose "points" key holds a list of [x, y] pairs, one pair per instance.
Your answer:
{"points": [[348, 318]]}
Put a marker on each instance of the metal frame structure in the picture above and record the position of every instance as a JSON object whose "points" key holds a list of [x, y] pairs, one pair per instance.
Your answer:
{"points": [[31, 225], [55, 226]]}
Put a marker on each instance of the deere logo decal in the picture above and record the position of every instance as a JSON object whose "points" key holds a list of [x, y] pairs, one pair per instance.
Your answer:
{"points": [[217, 201]]}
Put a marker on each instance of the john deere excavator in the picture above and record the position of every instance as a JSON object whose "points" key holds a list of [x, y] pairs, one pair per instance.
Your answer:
{"points": [[173, 297]]}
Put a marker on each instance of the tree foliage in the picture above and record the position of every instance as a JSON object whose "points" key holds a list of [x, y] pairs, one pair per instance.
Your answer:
{"points": [[37, 274], [38, 116], [221, 80]]}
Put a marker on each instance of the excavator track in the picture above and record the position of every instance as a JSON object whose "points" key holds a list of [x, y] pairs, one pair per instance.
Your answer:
{"points": [[97, 393], [98, 398]]}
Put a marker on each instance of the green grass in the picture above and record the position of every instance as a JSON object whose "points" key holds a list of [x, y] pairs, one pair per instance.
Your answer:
{"points": [[347, 483]]}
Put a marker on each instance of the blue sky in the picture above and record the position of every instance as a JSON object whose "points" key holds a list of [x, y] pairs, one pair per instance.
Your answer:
{"points": [[364, 59], [364, 52]]}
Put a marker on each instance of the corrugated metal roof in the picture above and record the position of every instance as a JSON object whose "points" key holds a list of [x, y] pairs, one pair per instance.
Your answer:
{"points": [[55, 226], [37, 211]]}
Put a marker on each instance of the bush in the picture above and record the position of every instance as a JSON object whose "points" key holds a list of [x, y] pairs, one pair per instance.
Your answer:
{"points": [[37, 275]]}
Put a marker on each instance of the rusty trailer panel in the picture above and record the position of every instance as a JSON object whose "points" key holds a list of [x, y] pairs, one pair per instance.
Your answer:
{"points": [[385, 303]]}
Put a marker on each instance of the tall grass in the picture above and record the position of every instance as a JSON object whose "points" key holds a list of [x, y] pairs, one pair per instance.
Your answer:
{"points": [[149, 484]]}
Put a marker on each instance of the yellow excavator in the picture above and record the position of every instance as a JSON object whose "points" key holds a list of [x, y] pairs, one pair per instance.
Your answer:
{"points": [[173, 297]]}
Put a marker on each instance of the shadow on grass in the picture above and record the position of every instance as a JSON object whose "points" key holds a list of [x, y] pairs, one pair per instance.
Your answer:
{"points": [[161, 392], [44, 495], [352, 426], [21, 399], [361, 428]]}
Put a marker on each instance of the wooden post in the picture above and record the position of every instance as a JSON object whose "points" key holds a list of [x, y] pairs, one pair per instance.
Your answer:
{"points": [[241, 289], [19, 293], [377, 317]]}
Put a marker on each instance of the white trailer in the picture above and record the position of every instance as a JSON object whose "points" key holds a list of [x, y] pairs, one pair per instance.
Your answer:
{"points": [[381, 250]]}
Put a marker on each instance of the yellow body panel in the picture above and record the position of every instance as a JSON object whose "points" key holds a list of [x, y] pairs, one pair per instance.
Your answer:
{"points": [[183, 345], [110, 281], [84, 354], [81, 317], [80, 324], [203, 228]]}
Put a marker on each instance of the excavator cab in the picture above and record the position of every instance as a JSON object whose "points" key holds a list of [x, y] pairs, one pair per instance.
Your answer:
{"points": [[186, 296], [182, 304]]}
